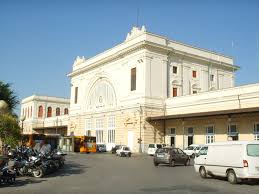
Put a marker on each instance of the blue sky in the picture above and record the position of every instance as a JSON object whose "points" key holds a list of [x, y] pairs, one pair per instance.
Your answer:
{"points": [[39, 39]]}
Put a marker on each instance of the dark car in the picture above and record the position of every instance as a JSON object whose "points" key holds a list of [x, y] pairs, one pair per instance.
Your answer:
{"points": [[101, 148], [171, 156], [117, 147]]}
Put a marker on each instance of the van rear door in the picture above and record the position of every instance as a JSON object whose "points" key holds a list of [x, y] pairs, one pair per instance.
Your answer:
{"points": [[253, 159]]}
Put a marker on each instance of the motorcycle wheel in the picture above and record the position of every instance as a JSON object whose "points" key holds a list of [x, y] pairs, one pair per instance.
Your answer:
{"points": [[37, 173], [61, 164]]}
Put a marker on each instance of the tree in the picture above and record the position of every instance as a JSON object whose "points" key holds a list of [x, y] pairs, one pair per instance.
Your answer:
{"points": [[9, 126], [9, 130], [8, 95]]}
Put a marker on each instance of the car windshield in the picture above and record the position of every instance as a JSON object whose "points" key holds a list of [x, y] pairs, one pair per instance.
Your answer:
{"points": [[126, 148], [163, 150], [189, 148], [253, 150], [151, 146], [159, 146]]}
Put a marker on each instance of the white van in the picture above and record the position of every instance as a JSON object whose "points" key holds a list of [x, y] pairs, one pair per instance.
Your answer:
{"points": [[235, 160], [153, 147]]}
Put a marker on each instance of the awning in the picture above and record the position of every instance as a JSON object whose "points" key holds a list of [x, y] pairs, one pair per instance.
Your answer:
{"points": [[205, 114]]}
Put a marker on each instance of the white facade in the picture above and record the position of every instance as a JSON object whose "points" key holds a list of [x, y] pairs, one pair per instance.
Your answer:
{"points": [[128, 94], [39, 119], [101, 85]]}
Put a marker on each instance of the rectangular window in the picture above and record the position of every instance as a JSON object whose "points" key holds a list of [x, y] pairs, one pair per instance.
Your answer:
{"points": [[232, 132], [194, 74], [174, 92], [111, 129], [190, 130], [133, 79], [76, 94], [190, 135], [174, 70], [99, 130], [212, 78], [210, 136], [88, 127], [172, 130]]}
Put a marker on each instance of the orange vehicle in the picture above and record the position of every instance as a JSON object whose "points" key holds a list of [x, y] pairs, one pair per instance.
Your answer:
{"points": [[85, 144]]}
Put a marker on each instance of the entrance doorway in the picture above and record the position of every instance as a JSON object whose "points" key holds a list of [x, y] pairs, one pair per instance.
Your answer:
{"points": [[172, 141], [190, 140]]}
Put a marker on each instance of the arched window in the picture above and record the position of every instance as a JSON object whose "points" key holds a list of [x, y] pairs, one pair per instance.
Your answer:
{"points": [[49, 113], [40, 112], [66, 111], [58, 111]]}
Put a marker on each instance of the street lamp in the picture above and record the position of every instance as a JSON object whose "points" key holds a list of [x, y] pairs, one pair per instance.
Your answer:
{"points": [[140, 132], [22, 118]]}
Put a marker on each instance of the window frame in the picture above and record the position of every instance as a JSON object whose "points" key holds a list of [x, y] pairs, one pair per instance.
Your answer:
{"points": [[175, 91], [194, 74], [133, 79], [175, 70], [76, 95], [212, 77], [49, 112]]}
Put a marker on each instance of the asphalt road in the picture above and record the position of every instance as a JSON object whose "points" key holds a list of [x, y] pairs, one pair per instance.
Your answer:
{"points": [[106, 173]]}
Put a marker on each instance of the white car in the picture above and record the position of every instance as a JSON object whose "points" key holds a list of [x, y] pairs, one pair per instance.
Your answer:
{"points": [[192, 149], [153, 147], [235, 160], [123, 151]]}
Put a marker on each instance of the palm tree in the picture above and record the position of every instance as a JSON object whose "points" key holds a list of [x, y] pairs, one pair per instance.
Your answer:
{"points": [[8, 95]]}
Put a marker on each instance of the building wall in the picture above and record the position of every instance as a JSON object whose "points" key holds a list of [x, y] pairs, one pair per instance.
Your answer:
{"points": [[245, 127]]}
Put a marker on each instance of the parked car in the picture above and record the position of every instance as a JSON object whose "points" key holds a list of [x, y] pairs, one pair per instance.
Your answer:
{"points": [[192, 149], [153, 147], [235, 160], [101, 148], [115, 148], [123, 151], [171, 156]]}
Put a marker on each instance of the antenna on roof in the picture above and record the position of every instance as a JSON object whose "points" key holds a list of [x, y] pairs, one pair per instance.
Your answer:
{"points": [[233, 70], [138, 17]]}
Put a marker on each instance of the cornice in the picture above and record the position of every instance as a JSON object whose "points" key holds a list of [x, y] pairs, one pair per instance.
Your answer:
{"points": [[151, 46]]}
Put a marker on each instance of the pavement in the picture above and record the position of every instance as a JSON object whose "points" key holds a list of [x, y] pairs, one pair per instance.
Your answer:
{"points": [[107, 173]]}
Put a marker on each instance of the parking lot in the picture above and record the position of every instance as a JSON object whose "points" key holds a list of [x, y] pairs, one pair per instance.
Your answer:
{"points": [[107, 173]]}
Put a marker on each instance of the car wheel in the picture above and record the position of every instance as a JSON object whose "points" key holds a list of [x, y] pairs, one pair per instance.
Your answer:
{"points": [[155, 164], [203, 172], [172, 163], [187, 162], [129, 154], [232, 178]]}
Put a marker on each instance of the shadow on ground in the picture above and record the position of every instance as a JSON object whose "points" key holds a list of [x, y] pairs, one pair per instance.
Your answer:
{"points": [[243, 182], [70, 168], [192, 188], [22, 182]]}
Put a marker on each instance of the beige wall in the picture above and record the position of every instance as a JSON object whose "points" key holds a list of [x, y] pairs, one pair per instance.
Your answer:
{"points": [[244, 122]]}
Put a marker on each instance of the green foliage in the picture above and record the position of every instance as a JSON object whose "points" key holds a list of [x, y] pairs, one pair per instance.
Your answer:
{"points": [[10, 131], [8, 95]]}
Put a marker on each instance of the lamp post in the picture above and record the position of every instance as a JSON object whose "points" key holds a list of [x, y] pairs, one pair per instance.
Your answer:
{"points": [[140, 132], [22, 118]]}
